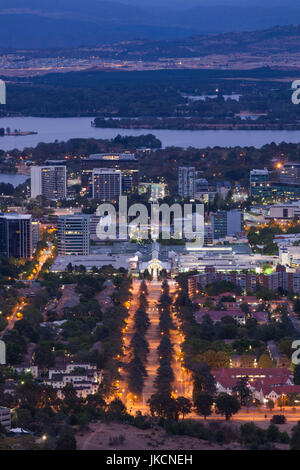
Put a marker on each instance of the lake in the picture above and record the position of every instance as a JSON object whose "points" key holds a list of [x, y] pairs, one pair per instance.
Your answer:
{"points": [[62, 129], [15, 180]]}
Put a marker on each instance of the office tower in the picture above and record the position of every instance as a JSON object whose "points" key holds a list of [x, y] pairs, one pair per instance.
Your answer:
{"points": [[201, 185], [226, 223], [202, 189], [126, 162], [94, 221], [258, 180], [35, 233], [186, 181], [49, 181], [107, 184], [74, 235], [2, 92], [290, 173], [208, 235], [16, 235]]}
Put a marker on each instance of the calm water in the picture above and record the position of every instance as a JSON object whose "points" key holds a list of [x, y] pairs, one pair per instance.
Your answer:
{"points": [[62, 129], [15, 180]]}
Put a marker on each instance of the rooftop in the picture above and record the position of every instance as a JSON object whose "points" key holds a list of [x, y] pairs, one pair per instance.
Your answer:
{"points": [[15, 215], [112, 156]]}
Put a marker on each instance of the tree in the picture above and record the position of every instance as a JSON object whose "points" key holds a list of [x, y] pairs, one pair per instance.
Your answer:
{"points": [[270, 405], [139, 346], [164, 377], [245, 307], [70, 268], [136, 375], [203, 380], [242, 391], [163, 405], [71, 400], [203, 404], [117, 408], [96, 401], [44, 357], [183, 405], [147, 275], [297, 374], [66, 441], [207, 328], [285, 346], [216, 359], [144, 288], [282, 401], [252, 436], [165, 348], [227, 405], [265, 361], [295, 437]]}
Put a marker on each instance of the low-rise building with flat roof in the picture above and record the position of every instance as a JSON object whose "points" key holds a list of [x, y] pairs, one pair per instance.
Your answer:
{"points": [[5, 417]]}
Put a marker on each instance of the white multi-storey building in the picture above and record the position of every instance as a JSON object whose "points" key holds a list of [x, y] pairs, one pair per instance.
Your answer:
{"points": [[186, 181], [49, 181]]}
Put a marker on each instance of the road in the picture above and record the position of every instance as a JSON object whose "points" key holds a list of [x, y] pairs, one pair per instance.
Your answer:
{"points": [[15, 316], [182, 384], [17, 311], [123, 392], [44, 256], [153, 337]]}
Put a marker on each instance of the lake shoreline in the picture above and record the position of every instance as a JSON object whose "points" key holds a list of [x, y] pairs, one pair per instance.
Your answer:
{"points": [[204, 127], [51, 130], [13, 178]]}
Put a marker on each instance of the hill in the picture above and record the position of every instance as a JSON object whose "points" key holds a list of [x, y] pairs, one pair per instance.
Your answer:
{"points": [[72, 23]]}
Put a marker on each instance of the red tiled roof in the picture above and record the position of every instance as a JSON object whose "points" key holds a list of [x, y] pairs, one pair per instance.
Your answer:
{"points": [[282, 389], [248, 299], [201, 300], [260, 316], [267, 372], [217, 315], [258, 378]]}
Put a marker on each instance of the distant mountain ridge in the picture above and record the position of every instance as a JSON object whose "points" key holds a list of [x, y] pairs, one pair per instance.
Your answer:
{"points": [[74, 23]]}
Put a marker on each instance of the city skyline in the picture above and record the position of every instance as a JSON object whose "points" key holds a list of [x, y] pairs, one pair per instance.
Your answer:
{"points": [[149, 230]]}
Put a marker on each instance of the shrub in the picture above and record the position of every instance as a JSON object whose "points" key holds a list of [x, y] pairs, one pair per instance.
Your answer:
{"points": [[117, 440], [189, 428], [252, 436]]}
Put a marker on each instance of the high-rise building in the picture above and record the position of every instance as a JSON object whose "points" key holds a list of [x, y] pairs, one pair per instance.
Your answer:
{"points": [[226, 223], [290, 173], [35, 233], [74, 235], [186, 181], [126, 162], [258, 181], [16, 235], [107, 184], [49, 181], [2, 92]]}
